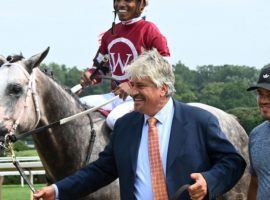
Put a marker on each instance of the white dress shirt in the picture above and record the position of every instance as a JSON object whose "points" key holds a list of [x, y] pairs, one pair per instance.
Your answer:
{"points": [[143, 185]]}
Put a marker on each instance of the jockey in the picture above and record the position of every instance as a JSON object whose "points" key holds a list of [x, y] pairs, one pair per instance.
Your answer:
{"points": [[120, 45]]}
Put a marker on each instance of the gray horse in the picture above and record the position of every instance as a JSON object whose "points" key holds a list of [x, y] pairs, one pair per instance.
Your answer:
{"points": [[30, 99]]}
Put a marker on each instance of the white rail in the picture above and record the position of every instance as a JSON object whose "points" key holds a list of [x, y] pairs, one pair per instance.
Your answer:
{"points": [[27, 163], [31, 166]]}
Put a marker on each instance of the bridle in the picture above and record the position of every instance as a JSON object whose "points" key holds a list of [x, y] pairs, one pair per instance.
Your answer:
{"points": [[31, 92]]}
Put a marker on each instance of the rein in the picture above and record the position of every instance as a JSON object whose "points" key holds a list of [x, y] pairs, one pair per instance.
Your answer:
{"points": [[92, 140], [16, 137]]}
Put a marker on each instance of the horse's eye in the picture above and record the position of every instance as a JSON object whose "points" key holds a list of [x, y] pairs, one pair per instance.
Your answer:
{"points": [[14, 90]]}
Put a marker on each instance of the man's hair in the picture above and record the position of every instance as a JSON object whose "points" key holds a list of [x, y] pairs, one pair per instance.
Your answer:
{"points": [[150, 64]]}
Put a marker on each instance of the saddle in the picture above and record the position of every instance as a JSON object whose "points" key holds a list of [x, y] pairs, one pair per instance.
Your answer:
{"points": [[105, 113]]}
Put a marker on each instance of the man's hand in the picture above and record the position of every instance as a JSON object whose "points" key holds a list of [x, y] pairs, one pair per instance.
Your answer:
{"points": [[123, 90], [46, 193], [198, 190], [85, 79]]}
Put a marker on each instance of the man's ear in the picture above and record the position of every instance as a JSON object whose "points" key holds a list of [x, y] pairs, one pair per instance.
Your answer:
{"points": [[164, 90], [142, 5], [140, 8]]}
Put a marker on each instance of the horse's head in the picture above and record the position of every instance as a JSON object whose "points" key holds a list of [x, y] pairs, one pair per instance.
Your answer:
{"points": [[17, 93]]}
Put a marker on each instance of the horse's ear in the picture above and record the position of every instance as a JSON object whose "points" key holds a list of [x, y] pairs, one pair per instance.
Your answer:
{"points": [[2, 60], [35, 60]]}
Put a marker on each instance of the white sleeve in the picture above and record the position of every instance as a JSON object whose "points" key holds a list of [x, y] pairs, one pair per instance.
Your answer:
{"points": [[56, 192]]}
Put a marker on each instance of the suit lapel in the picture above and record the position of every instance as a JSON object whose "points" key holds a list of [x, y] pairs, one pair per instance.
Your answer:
{"points": [[135, 139], [178, 134]]}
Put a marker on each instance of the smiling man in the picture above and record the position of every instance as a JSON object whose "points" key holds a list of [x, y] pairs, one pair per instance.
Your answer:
{"points": [[259, 142], [161, 146]]}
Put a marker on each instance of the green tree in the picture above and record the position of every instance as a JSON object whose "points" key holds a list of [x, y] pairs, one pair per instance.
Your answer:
{"points": [[72, 77], [234, 95], [185, 83], [227, 73], [211, 94], [225, 86], [248, 117], [20, 146]]}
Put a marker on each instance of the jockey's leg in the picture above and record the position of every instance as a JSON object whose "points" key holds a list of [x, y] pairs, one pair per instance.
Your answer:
{"points": [[96, 100], [120, 110]]}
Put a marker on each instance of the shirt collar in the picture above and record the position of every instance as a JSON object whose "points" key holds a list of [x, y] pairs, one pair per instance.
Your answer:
{"points": [[162, 115], [132, 21]]}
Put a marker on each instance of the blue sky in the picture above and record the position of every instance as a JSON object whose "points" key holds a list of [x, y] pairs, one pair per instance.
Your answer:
{"points": [[199, 32]]}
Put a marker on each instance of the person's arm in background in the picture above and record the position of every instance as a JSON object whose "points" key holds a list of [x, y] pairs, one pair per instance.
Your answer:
{"points": [[253, 186]]}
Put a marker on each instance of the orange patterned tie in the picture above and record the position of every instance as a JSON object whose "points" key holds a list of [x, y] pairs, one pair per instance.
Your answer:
{"points": [[156, 169]]}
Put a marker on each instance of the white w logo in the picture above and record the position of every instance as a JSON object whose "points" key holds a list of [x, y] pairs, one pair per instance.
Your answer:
{"points": [[119, 58], [119, 61]]}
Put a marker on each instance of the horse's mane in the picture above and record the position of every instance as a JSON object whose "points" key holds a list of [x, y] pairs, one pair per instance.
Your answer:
{"points": [[50, 74]]}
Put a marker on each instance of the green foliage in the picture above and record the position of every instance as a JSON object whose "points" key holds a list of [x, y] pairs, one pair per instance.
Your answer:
{"points": [[227, 73], [71, 77], [20, 146], [220, 86], [234, 94], [185, 86], [211, 94], [16, 179], [31, 152], [249, 117], [66, 76]]}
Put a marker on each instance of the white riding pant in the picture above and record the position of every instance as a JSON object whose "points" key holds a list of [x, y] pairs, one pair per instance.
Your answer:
{"points": [[118, 107]]}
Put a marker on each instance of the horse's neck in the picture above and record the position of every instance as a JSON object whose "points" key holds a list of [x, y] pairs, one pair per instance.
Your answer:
{"points": [[55, 102], [64, 144]]}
